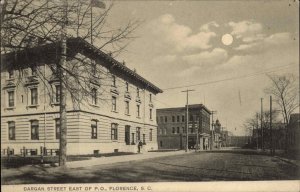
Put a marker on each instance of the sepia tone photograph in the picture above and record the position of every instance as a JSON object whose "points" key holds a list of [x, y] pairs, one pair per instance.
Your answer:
{"points": [[136, 95]]}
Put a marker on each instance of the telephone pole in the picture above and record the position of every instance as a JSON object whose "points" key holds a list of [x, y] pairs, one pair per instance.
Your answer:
{"points": [[212, 128], [261, 124], [187, 118], [271, 134]]}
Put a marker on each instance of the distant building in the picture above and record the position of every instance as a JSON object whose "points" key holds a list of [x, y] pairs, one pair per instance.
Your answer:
{"points": [[117, 113], [293, 137], [217, 135], [172, 127]]}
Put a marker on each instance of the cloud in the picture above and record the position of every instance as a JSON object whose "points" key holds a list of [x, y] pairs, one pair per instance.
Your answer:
{"points": [[277, 40], [246, 30], [180, 38], [207, 27], [214, 57]]}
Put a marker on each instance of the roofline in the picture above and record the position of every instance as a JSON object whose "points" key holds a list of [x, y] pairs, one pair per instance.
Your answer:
{"points": [[182, 108], [71, 42]]}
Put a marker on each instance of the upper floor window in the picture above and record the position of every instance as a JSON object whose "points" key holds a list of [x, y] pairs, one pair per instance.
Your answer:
{"points": [[150, 97], [166, 119], [11, 98], [191, 118], [10, 74], [94, 129], [57, 128], [127, 107], [34, 130], [150, 113], [173, 118], [178, 118], [127, 86], [138, 110], [11, 130], [114, 103], [57, 93], [114, 131], [34, 96], [114, 82], [161, 119], [137, 92], [94, 96], [34, 71], [178, 131], [93, 67], [173, 130], [182, 118]]}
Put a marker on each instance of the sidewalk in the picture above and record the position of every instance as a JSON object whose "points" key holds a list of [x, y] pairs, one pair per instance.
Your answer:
{"points": [[124, 158]]}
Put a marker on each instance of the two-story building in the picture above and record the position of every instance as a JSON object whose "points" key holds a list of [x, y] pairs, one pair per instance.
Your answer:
{"points": [[112, 111], [172, 127]]}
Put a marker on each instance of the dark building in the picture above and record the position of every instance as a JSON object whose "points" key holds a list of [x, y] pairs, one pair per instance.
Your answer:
{"points": [[172, 127], [293, 142]]}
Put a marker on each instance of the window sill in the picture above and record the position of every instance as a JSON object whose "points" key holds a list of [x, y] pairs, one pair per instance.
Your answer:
{"points": [[10, 108], [32, 106], [55, 104], [127, 114], [138, 117], [93, 105], [114, 111]]}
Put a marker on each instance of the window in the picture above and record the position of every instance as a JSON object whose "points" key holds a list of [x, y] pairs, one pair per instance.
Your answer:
{"points": [[127, 134], [34, 71], [182, 118], [150, 113], [161, 119], [178, 118], [132, 136], [137, 92], [178, 131], [166, 119], [138, 134], [144, 139], [127, 86], [11, 130], [165, 131], [57, 128], [94, 68], [34, 130], [173, 130], [191, 118], [34, 96], [173, 118], [127, 107], [114, 131], [94, 129], [10, 74], [114, 103], [183, 130], [138, 110], [57, 93], [114, 84], [11, 98], [150, 97], [94, 96], [150, 134]]}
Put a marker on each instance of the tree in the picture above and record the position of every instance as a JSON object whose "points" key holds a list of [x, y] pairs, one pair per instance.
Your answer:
{"points": [[285, 94], [29, 23]]}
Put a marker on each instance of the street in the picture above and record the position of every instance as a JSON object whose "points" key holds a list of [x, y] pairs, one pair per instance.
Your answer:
{"points": [[200, 166]]}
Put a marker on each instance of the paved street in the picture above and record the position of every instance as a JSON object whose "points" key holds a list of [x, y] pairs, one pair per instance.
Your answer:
{"points": [[201, 166]]}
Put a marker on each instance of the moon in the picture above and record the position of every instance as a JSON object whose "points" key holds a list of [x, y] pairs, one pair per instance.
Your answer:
{"points": [[227, 39]]}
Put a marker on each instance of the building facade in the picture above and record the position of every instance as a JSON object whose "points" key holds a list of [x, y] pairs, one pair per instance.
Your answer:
{"points": [[113, 113], [293, 129], [172, 127]]}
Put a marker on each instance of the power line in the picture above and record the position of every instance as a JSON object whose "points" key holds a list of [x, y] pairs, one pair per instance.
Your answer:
{"points": [[228, 79]]}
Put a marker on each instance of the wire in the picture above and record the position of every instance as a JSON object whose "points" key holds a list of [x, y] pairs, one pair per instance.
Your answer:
{"points": [[229, 79]]}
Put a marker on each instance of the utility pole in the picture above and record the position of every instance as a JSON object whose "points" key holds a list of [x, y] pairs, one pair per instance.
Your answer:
{"points": [[271, 134], [62, 109], [212, 128], [261, 124], [257, 134], [187, 118]]}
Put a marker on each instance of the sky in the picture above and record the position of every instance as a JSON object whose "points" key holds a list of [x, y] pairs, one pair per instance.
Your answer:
{"points": [[179, 43]]}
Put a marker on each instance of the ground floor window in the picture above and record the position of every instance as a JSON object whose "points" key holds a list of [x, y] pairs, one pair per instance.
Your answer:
{"points": [[144, 139], [94, 129], [11, 130], [114, 131], [127, 135], [57, 128], [34, 130], [150, 135], [138, 133]]}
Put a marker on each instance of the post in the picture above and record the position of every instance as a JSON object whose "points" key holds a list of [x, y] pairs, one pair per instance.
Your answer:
{"points": [[212, 129], [187, 118], [257, 134], [261, 124], [271, 134], [197, 137], [63, 111]]}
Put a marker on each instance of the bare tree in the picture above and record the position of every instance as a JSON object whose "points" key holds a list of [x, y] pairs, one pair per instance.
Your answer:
{"points": [[286, 95], [28, 24]]}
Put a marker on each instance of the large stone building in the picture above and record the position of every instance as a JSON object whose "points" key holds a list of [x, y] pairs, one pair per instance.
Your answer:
{"points": [[172, 127], [116, 112]]}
